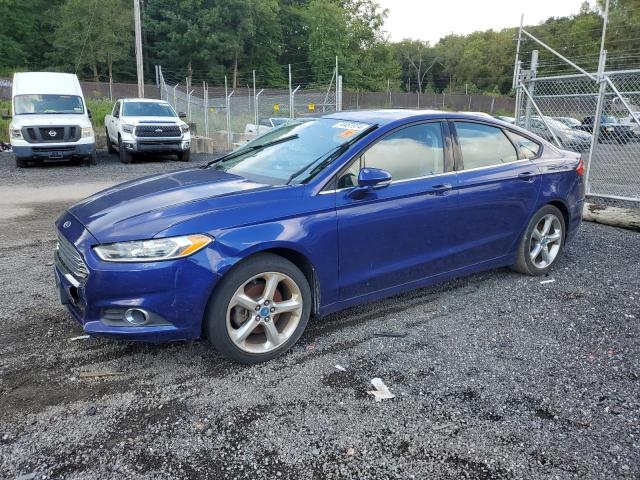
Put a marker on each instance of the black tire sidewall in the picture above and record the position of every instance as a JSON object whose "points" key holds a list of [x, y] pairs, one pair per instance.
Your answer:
{"points": [[216, 313], [525, 246]]}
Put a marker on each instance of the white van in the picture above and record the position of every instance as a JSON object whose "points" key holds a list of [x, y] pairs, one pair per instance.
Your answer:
{"points": [[50, 121]]}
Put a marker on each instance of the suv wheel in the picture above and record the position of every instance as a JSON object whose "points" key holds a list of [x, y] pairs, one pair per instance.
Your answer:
{"points": [[259, 310], [542, 243], [21, 162], [184, 156]]}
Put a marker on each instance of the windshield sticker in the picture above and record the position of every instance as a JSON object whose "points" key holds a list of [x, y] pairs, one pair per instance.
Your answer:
{"points": [[355, 126], [348, 133]]}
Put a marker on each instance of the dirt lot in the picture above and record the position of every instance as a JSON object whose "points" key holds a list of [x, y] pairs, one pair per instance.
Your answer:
{"points": [[498, 376]]}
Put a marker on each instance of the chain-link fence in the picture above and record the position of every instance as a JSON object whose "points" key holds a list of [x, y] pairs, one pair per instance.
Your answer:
{"points": [[564, 110]]}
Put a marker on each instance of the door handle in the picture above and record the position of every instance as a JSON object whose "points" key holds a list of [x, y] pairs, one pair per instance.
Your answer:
{"points": [[527, 176], [440, 189]]}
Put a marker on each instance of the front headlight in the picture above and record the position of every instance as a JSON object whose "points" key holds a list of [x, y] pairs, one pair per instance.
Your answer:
{"points": [[152, 250], [184, 128], [126, 128], [16, 133], [87, 132]]}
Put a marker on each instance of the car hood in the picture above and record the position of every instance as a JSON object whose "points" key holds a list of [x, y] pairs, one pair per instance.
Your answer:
{"points": [[141, 208], [20, 121]]}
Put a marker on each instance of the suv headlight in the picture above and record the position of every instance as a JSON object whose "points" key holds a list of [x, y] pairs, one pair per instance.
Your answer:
{"points": [[16, 133], [126, 128], [184, 128], [87, 132], [152, 250]]}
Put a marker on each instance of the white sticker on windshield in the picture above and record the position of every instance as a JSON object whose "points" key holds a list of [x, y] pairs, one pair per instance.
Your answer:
{"points": [[351, 125]]}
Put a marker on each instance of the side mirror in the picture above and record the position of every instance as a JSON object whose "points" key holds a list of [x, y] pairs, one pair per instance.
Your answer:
{"points": [[182, 115], [373, 177], [368, 180], [89, 113], [6, 115]]}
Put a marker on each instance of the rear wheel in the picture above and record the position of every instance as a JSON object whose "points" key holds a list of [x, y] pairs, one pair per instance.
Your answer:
{"points": [[184, 156], [542, 243], [125, 156], [259, 310], [110, 147]]}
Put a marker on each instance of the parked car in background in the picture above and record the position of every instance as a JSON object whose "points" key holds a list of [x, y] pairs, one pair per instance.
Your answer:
{"points": [[610, 129], [504, 118], [144, 126], [313, 217], [570, 138], [51, 122], [633, 125], [568, 121]]}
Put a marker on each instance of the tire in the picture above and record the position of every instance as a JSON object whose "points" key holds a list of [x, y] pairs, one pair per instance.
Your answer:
{"points": [[184, 156], [222, 318], [110, 147], [553, 241], [91, 160], [21, 162], [125, 157]]}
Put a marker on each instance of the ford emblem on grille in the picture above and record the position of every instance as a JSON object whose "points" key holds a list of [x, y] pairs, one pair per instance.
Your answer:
{"points": [[52, 133], [158, 130], [66, 224]]}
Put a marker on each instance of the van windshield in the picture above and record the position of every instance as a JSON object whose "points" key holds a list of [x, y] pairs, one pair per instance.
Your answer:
{"points": [[47, 104], [147, 109]]}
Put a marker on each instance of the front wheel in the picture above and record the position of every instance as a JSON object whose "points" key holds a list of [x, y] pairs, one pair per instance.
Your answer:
{"points": [[184, 156], [21, 162], [542, 243], [125, 156], [259, 310]]}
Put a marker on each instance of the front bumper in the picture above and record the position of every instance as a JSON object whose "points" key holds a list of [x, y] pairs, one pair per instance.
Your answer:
{"points": [[142, 145], [175, 293], [55, 152]]}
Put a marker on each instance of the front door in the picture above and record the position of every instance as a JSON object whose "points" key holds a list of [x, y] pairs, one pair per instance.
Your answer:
{"points": [[397, 234]]}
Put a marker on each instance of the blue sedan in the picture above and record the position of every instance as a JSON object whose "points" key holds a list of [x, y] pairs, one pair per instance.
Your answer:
{"points": [[314, 216]]}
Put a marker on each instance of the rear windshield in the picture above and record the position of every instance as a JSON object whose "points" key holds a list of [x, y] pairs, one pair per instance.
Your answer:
{"points": [[147, 109], [48, 104]]}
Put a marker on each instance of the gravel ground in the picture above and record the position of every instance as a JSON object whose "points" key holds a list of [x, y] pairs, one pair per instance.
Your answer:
{"points": [[498, 376]]}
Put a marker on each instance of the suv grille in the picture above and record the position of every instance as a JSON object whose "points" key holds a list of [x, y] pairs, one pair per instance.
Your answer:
{"points": [[71, 259], [158, 131]]}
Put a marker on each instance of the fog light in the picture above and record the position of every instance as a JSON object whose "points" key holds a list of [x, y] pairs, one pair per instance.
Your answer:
{"points": [[136, 316]]}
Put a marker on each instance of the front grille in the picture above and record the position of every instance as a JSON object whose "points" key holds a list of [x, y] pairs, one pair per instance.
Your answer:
{"points": [[62, 149], [155, 131], [71, 259], [51, 134]]}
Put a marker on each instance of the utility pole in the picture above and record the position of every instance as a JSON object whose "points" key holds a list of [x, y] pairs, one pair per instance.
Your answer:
{"points": [[138, 30]]}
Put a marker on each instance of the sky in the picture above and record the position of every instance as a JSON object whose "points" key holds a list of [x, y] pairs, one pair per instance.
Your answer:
{"points": [[433, 19]]}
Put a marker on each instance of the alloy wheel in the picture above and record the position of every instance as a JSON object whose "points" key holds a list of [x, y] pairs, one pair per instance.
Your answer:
{"points": [[264, 312], [546, 240]]}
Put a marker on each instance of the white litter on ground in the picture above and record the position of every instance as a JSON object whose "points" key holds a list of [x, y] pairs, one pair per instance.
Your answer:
{"points": [[381, 392], [543, 282], [81, 337], [341, 368]]}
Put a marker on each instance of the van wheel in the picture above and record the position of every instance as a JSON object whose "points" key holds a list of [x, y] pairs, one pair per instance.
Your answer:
{"points": [[91, 160], [259, 310], [125, 157], [184, 156], [542, 243], [21, 162], [110, 147]]}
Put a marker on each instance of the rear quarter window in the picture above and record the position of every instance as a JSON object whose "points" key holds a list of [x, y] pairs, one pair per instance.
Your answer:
{"points": [[527, 147]]}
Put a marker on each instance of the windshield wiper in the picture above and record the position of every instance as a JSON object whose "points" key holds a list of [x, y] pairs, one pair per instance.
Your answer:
{"points": [[255, 148], [331, 155]]}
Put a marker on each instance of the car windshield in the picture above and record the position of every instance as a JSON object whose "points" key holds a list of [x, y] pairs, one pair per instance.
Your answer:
{"points": [[608, 119], [291, 153], [47, 104], [147, 109], [556, 124]]}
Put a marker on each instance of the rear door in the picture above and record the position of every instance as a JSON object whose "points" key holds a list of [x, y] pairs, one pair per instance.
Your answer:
{"points": [[497, 191], [398, 234]]}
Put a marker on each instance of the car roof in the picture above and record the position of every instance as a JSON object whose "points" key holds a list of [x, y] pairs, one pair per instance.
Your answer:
{"points": [[52, 83], [384, 117], [147, 100]]}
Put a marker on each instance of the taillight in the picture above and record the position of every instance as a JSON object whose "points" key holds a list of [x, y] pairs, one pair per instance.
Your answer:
{"points": [[580, 168]]}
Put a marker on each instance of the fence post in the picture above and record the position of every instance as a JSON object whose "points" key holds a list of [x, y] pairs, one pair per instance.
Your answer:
{"points": [[175, 102], [339, 94], [257, 111], [205, 94], [290, 96], [293, 103], [255, 102], [532, 86], [596, 120]]}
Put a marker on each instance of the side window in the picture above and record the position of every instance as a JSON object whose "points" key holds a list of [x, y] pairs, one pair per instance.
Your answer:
{"points": [[484, 145], [116, 110], [411, 152], [528, 148]]}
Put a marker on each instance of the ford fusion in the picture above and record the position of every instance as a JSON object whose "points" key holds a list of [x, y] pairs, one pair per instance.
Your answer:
{"points": [[312, 217]]}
